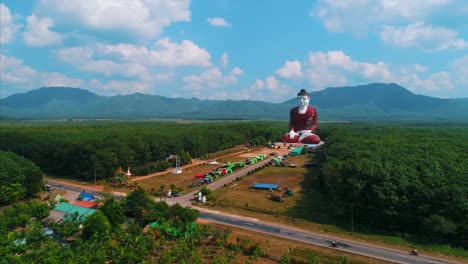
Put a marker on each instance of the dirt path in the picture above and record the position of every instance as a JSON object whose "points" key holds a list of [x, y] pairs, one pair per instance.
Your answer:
{"points": [[197, 162]]}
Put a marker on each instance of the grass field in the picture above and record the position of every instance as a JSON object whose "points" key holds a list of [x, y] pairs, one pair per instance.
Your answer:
{"points": [[241, 194]]}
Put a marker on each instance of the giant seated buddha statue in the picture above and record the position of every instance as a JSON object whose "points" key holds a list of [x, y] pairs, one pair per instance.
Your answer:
{"points": [[302, 122]]}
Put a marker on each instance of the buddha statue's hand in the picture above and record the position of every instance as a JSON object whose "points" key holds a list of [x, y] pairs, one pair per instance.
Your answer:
{"points": [[291, 134]]}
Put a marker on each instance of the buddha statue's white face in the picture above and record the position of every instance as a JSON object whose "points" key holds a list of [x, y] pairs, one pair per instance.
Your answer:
{"points": [[303, 100]]}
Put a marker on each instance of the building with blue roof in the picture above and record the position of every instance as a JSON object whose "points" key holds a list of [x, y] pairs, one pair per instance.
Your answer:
{"points": [[267, 186]]}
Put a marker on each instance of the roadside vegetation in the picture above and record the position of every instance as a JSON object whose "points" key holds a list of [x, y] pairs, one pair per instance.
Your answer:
{"points": [[139, 230]]}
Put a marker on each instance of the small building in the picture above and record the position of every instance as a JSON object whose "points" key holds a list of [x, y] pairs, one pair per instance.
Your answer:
{"points": [[297, 151], [47, 231], [70, 209], [267, 186], [84, 196], [63, 210]]}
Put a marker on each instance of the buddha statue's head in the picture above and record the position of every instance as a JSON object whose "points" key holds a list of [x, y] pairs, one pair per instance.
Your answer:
{"points": [[303, 98]]}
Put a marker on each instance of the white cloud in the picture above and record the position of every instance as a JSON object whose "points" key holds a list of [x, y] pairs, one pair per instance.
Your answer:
{"points": [[320, 78], [269, 90], [114, 87], [38, 32], [290, 70], [335, 68], [145, 18], [186, 53], [75, 55], [409, 9], [136, 61], [218, 22], [398, 22], [253, 92], [14, 71], [8, 28], [164, 53], [258, 85], [16, 74], [209, 81], [224, 60], [83, 58], [323, 67], [460, 71], [237, 71], [57, 79], [272, 83], [421, 35], [357, 15]]}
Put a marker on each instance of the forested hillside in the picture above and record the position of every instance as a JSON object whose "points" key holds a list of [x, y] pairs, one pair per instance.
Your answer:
{"points": [[375, 101], [410, 180]]}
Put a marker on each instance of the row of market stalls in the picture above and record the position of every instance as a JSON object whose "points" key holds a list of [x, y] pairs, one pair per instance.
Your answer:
{"points": [[227, 168]]}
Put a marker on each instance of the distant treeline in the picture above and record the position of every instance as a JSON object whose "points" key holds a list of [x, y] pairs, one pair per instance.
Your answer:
{"points": [[410, 180], [82, 150]]}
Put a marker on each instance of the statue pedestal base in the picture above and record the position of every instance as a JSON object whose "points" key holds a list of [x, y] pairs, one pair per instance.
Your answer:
{"points": [[283, 145]]}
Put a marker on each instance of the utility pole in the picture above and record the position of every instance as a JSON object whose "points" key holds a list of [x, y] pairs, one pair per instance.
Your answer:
{"points": [[94, 172], [352, 219]]}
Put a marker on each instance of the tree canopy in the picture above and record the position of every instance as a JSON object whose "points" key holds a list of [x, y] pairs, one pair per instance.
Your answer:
{"points": [[411, 179], [20, 178]]}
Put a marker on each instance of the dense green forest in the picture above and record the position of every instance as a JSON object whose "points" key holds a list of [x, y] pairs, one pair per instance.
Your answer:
{"points": [[20, 178], [405, 179], [81, 150]]}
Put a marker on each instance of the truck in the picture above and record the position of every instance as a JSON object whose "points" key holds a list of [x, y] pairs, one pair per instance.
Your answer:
{"points": [[239, 164], [252, 161], [208, 179]]}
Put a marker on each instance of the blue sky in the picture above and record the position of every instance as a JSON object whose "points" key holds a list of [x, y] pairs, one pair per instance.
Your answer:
{"points": [[233, 49]]}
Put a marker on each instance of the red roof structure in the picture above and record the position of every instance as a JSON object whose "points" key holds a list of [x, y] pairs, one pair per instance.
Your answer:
{"points": [[86, 204]]}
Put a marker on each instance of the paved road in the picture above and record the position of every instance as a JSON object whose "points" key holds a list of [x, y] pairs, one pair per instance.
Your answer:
{"points": [[219, 183], [75, 188], [280, 230]]}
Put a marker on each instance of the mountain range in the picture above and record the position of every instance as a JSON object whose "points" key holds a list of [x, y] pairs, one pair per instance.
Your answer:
{"points": [[372, 101]]}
